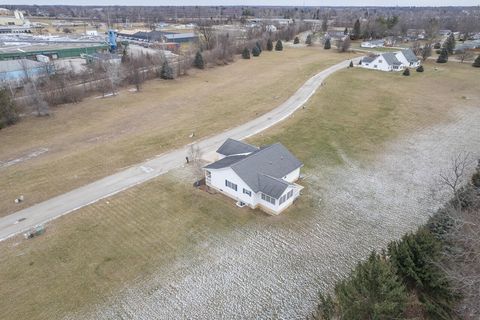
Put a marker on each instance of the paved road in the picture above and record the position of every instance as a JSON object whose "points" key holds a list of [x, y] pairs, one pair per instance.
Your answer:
{"points": [[83, 196]]}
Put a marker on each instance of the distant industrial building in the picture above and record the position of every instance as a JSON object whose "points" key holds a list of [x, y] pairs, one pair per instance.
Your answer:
{"points": [[159, 36], [18, 70], [13, 22], [53, 51]]}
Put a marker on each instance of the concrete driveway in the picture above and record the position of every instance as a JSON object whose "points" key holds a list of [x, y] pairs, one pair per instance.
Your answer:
{"points": [[25, 219]]}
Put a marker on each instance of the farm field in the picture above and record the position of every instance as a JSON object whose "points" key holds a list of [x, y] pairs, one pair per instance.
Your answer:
{"points": [[80, 143], [373, 144]]}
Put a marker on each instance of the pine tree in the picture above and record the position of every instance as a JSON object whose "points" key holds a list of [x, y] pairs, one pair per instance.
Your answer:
{"points": [[351, 64], [198, 62], [259, 46], [443, 57], [279, 46], [450, 44], [246, 53], [420, 69], [372, 291], [356, 30], [476, 63], [167, 71], [269, 45], [308, 41], [345, 32], [406, 72], [8, 111], [413, 257], [327, 44], [296, 40], [256, 51]]}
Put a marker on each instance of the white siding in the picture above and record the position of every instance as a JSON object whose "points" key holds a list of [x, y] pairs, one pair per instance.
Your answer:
{"points": [[292, 176], [217, 181]]}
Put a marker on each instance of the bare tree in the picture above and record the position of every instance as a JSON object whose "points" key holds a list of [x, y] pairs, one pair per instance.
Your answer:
{"points": [[207, 34], [455, 176], [194, 158], [426, 51], [465, 55], [343, 45]]}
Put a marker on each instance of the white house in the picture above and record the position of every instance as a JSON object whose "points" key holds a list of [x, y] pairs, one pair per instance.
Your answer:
{"points": [[257, 177], [372, 44], [391, 61]]}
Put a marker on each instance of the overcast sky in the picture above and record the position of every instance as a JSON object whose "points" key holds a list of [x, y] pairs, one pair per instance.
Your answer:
{"points": [[361, 3]]}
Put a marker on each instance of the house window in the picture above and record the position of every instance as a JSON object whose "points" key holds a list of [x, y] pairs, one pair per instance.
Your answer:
{"points": [[375, 66], [247, 192], [289, 194], [268, 198], [231, 185], [379, 61], [283, 199]]}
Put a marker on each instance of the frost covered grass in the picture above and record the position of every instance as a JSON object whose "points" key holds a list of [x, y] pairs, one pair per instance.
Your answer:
{"points": [[166, 250]]}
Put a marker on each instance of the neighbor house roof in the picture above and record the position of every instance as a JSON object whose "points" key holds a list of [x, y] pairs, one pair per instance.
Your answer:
{"points": [[231, 147], [391, 59], [186, 35], [261, 169], [409, 55]]}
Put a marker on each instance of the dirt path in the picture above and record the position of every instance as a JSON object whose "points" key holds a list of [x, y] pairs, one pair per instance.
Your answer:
{"points": [[273, 270]]}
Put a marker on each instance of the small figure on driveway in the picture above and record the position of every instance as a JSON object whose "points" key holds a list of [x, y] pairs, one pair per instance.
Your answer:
{"points": [[186, 158]]}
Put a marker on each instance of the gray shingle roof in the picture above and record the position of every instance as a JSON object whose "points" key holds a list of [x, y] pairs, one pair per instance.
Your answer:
{"points": [[272, 186], [232, 147], [274, 161], [409, 55], [369, 58], [391, 59], [225, 162]]}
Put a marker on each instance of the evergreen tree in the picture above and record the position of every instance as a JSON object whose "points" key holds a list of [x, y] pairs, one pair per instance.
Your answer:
{"points": [[308, 41], [450, 44], [327, 44], [443, 57], [269, 45], [372, 291], [420, 69], [256, 51], [8, 111], [476, 63], [198, 62], [356, 30], [351, 64], [406, 72], [279, 46], [167, 71], [259, 46], [345, 32], [296, 40], [246, 53], [413, 257]]}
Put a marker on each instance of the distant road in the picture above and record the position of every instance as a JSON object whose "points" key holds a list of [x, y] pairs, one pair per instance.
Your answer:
{"points": [[53, 208]]}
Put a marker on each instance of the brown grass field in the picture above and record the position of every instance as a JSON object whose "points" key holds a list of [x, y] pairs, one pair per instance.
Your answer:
{"points": [[97, 137], [89, 255]]}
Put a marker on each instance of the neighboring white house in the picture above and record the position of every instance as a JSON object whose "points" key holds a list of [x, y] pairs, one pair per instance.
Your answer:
{"points": [[391, 61], [372, 44], [257, 177]]}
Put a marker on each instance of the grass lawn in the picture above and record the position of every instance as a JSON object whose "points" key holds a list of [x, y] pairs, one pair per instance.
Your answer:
{"points": [[86, 256], [97, 137]]}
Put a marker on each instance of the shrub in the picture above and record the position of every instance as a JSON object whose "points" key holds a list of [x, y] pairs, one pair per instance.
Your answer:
{"points": [[259, 46], [327, 44], [443, 57], [246, 53], [256, 51], [198, 62], [279, 46], [308, 41], [167, 71], [269, 45], [8, 111], [296, 40], [476, 63], [351, 64], [420, 69], [406, 72]]}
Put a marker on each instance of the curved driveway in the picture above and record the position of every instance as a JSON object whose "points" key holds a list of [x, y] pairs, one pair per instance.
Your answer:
{"points": [[83, 196]]}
